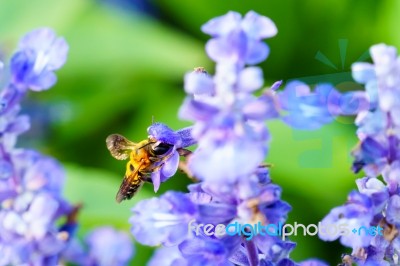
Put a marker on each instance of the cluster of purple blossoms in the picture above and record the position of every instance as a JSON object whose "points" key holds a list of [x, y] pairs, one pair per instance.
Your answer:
{"points": [[302, 109], [234, 185], [377, 201], [31, 202], [103, 246]]}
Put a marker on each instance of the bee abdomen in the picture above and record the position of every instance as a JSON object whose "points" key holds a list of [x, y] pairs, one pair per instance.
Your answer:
{"points": [[128, 189]]}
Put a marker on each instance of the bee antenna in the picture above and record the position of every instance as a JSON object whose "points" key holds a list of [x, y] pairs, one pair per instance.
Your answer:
{"points": [[146, 145]]}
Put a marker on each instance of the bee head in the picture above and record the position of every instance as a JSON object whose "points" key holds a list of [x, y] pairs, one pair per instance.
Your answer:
{"points": [[161, 148]]}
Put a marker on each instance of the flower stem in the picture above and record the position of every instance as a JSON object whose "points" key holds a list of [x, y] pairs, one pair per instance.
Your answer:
{"points": [[252, 253]]}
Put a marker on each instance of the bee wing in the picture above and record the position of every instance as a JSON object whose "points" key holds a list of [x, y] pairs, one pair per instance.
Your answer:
{"points": [[119, 146], [130, 184]]}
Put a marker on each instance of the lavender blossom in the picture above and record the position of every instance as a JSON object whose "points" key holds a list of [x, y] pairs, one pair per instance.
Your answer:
{"points": [[39, 53], [179, 139], [303, 109], [102, 246], [237, 40], [166, 220], [31, 184], [378, 126], [109, 247], [167, 256], [31, 205], [377, 203], [227, 116], [163, 220], [381, 78], [308, 110], [234, 186]]}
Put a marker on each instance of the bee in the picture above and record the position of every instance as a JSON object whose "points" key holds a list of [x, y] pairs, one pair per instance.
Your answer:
{"points": [[145, 157]]}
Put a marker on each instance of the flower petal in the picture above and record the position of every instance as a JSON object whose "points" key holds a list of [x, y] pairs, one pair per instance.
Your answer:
{"points": [[258, 27], [156, 180], [250, 79], [222, 25], [363, 72], [256, 52], [170, 167], [198, 83]]}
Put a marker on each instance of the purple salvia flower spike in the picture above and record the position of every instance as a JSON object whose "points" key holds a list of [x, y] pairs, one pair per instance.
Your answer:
{"points": [[229, 129], [31, 184], [377, 203]]}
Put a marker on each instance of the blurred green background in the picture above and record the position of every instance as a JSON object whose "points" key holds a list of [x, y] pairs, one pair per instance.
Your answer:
{"points": [[126, 65]]}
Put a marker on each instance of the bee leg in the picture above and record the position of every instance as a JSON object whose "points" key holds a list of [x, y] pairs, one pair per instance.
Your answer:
{"points": [[184, 152], [157, 159], [148, 179], [156, 168], [265, 165], [183, 166], [146, 176]]}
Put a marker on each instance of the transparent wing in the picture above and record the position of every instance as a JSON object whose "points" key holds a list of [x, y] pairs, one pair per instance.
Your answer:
{"points": [[119, 146]]}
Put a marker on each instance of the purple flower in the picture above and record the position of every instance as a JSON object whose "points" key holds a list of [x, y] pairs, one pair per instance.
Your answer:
{"points": [[371, 156], [179, 139], [372, 207], [163, 220], [109, 247], [378, 127], [102, 246], [393, 210], [39, 53], [166, 220], [303, 109], [37, 225], [31, 183], [204, 251], [251, 202], [238, 40], [307, 110], [32, 204], [312, 262], [391, 175], [167, 256], [163, 134], [11, 126], [375, 190], [355, 214], [381, 79], [371, 123], [229, 129], [228, 119]]}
